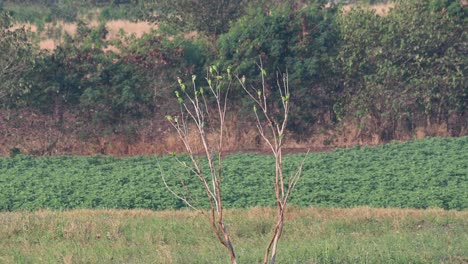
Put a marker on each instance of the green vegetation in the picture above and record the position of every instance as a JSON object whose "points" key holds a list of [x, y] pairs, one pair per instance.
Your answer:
{"points": [[15, 59], [418, 56], [359, 235], [205, 16], [303, 42], [43, 11], [387, 73], [419, 174]]}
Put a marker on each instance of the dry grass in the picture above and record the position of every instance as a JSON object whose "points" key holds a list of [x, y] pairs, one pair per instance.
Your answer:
{"points": [[114, 27], [21, 219], [362, 213], [48, 44], [312, 235], [28, 26], [380, 9], [137, 28], [237, 136], [33, 132], [81, 220]]}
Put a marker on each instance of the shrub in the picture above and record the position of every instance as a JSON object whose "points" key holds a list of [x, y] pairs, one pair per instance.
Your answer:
{"points": [[405, 68], [301, 41]]}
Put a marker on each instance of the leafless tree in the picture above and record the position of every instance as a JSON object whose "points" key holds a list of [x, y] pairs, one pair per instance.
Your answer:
{"points": [[273, 134], [194, 110], [195, 113]]}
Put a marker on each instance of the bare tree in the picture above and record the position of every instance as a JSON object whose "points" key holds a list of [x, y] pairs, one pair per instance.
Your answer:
{"points": [[273, 135], [194, 109], [195, 113]]}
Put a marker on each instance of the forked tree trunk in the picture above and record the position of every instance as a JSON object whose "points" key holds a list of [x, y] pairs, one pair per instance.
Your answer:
{"points": [[273, 136], [278, 231], [194, 107]]}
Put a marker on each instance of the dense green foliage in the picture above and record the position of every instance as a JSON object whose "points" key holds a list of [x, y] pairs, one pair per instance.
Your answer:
{"points": [[311, 235], [43, 11], [207, 16], [300, 42], [419, 174], [389, 74], [80, 75], [405, 69], [108, 87], [15, 59]]}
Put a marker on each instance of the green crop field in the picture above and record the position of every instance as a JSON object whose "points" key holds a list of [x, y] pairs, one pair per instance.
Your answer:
{"points": [[429, 173], [418, 174]]}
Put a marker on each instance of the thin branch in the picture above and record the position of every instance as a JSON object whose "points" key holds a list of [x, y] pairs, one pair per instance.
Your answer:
{"points": [[295, 178], [183, 199], [196, 110], [274, 139]]}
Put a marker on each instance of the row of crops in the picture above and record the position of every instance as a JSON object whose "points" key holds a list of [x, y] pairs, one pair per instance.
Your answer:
{"points": [[417, 174]]}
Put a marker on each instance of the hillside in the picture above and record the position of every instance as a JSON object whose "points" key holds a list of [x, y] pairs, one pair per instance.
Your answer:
{"points": [[361, 76]]}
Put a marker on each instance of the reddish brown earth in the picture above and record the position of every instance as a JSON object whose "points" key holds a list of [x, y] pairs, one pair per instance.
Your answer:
{"points": [[39, 134]]}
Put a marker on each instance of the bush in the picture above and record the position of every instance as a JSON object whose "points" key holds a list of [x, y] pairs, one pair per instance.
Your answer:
{"points": [[16, 58], [301, 42], [404, 69]]}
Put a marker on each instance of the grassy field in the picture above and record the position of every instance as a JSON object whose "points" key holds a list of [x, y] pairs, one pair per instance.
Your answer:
{"points": [[312, 235], [430, 173]]}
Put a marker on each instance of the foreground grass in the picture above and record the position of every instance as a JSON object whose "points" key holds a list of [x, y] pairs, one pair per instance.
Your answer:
{"points": [[360, 235]]}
